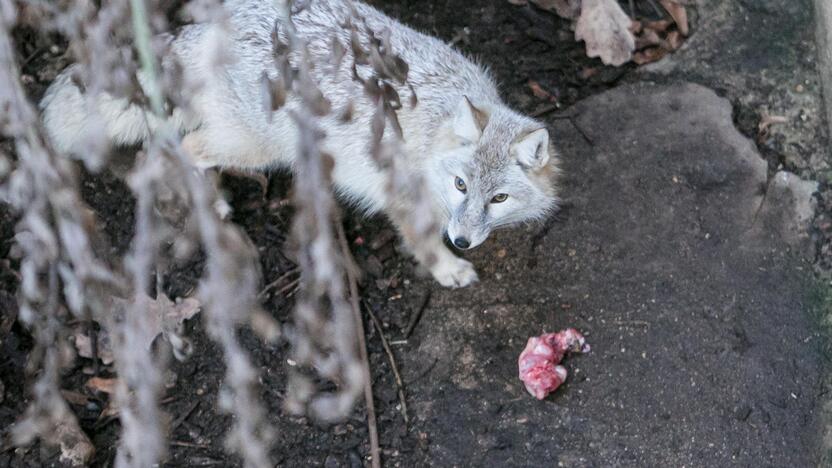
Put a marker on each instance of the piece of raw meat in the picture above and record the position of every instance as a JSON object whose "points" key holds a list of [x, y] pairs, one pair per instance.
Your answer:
{"points": [[538, 363]]}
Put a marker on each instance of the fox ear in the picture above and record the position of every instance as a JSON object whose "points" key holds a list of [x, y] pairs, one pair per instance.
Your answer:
{"points": [[468, 121], [532, 149]]}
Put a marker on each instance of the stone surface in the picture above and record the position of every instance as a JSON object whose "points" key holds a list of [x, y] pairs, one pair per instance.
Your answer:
{"points": [[675, 260], [761, 54], [823, 25]]}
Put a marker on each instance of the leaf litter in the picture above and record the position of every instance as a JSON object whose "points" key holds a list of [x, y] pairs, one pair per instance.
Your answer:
{"points": [[616, 37], [167, 318]]}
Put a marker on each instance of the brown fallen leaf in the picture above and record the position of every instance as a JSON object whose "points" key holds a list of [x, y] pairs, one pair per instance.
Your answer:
{"points": [[76, 448], [678, 13], [167, 318], [658, 25], [674, 40], [655, 40], [647, 38], [588, 72], [111, 411], [605, 28], [83, 344], [75, 398], [649, 55], [539, 92], [103, 385]]}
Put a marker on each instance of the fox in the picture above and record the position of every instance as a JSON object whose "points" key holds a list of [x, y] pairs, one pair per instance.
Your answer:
{"points": [[485, 165]]}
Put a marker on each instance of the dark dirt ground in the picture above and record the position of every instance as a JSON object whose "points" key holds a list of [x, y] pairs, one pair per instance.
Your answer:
{"points": [[704, 352]]}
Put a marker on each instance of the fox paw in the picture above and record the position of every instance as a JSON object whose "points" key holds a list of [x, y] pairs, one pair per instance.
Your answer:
{"points": [[454, 272]]}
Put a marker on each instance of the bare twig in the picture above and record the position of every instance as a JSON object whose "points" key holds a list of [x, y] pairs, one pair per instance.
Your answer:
{"points": [[417, 315], [372, 426], [544, 110], [276, 282], [392, 359], [185, 414]]}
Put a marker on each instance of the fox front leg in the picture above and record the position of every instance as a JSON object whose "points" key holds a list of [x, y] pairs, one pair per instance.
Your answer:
{"points": [[451, 271], [445, 267]]}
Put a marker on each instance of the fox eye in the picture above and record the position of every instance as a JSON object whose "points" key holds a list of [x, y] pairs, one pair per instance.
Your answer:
{"points": [[460, 185], [499, 198]]}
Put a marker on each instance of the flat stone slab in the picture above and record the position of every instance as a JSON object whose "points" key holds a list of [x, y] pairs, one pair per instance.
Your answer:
{"points": [[682, 260]]}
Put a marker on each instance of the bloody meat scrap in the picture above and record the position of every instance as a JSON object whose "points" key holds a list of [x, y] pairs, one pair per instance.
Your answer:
{"points": [[538, 363]]}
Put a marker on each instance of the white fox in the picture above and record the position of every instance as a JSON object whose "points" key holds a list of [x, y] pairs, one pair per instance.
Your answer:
{"points": [[486, 165]]}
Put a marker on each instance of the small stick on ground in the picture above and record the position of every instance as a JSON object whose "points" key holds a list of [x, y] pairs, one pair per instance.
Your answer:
{"points": [[415, 319], [372, 426], [93, 334], [182, 443], [290, 288], [581, 131], [392, 359], [544, 110], [279, 280], [184, 416]]}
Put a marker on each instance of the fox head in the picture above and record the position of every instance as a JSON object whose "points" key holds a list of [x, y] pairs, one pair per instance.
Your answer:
{"points": [[493, 168]]}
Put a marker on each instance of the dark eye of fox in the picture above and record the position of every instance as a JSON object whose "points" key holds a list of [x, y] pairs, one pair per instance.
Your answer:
{"points": [[460, 185]]}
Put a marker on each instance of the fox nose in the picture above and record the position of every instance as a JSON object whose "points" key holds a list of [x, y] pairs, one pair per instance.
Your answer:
{"points": [[462, 242]]}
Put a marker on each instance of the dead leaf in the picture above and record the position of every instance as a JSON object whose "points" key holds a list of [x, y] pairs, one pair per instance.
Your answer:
{"points": [[541, 93], [76, 448], [674, 40], [654, 41], [647, 38], [75, 398], [658, 25], [569, 9], [678, 13], [605, 28], [103, 385], [588, 72], [83, 344], [167, 318], [111, 411], [649, 55]]}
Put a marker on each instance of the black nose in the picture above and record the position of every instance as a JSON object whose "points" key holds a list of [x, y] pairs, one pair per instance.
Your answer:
{"points": [[461, 242]]}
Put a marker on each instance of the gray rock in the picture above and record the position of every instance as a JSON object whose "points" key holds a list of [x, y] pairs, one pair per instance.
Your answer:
{"points": [[674, 254]]}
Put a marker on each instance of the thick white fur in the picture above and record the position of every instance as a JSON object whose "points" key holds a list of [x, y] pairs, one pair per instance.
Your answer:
{"points": [[228, 125]]}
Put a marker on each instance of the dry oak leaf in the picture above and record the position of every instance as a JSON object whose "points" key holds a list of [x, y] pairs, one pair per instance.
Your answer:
{"points": [[166, 319], [679, 15], [539, 92], [103, 385], [605, 28], [76, 448], [83, 343]]}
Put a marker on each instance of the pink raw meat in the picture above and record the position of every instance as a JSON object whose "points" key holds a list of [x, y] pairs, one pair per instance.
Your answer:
{"points": [[538, 363]]}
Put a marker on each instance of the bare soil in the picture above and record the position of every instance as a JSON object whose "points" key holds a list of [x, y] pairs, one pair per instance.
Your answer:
{"points": [[458, 361]]}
